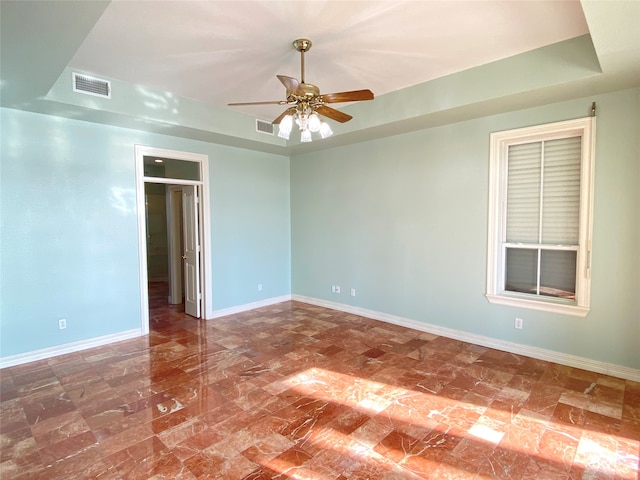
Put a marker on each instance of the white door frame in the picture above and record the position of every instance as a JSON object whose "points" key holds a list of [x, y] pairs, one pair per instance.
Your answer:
{"points": [[142, 151]]}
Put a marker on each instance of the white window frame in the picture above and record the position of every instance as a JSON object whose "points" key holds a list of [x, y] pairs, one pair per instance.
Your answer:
{"points": [[496, 250]]}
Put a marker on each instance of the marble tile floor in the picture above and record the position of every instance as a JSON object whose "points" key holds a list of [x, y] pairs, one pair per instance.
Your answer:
{"points": [[294, 391]]}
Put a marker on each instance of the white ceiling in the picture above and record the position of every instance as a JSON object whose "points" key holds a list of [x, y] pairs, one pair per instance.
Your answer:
{"points": [[160, 53], [218, 52]]}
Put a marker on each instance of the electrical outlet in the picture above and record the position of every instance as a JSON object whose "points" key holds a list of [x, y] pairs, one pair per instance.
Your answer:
{"points": [[333, 289], [519, 324], [62, 323], [353, 292], [337, 288], [259, 287]]}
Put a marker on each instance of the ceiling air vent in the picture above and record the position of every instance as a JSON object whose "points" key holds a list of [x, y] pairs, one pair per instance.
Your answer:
{"points": [[91, 85], [264, 127]]}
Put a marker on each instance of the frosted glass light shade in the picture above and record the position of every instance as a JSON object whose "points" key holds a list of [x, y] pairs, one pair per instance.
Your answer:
{"points": [[285, 127], [305, 135], [325, 130], [314, 122], [284, 134]]}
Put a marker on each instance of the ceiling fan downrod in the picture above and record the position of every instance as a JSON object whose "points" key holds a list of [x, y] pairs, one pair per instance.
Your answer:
{"points": [[302, 45]]}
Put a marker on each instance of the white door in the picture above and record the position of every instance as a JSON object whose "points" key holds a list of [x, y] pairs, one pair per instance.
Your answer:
{"points": [[191, 256]]}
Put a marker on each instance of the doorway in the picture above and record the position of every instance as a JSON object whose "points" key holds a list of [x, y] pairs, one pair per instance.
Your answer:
{"points": [[184, 220], [182, 179], [173, 246]]}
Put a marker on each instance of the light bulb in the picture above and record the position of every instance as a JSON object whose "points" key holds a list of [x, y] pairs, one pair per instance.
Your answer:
{"points": [[305, 136], [314, 122], [325, 130]]}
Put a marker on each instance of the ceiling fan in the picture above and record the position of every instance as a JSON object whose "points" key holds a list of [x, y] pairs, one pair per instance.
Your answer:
{"points": [[306, 103]]}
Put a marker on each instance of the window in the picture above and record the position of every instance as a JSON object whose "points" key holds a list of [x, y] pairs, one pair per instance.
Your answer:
{"points": [[540, 202]]}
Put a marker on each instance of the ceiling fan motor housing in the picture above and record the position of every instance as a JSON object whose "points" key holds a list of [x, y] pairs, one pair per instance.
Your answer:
{"points": [[308, 90]]}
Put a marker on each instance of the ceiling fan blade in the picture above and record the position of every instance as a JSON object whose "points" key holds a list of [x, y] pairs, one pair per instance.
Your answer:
{"points": [[333, 114], [353, 96], [274, 102], [288, 111], [290, 83]]}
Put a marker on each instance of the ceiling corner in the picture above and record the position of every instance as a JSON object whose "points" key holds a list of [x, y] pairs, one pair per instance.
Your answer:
{"points": [[37, 41]]}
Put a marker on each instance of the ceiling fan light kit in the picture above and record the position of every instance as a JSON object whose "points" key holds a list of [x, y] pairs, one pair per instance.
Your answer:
{"points": [[306, 104], [308, 122]]}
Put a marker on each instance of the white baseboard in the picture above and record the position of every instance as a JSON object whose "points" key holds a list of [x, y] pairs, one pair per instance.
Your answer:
{"points": [[223, 312], [57, 350], [612, 369], [49, 352]]}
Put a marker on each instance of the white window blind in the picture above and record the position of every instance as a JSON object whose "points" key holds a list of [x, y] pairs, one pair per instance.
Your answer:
{"points": [[543, 192], [523, 192], [561, 191]]}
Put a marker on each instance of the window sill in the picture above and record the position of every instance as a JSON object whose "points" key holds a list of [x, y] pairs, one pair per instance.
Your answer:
{"points": [[546, 306]]}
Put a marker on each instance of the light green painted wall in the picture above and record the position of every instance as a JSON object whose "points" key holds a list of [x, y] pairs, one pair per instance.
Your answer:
{"points": [[401, 219], [68, 244], [252, 235], [404, 221]]}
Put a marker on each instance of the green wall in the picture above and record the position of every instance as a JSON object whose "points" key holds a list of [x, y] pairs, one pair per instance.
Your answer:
{"points": [[400, 219], [403, 220], [69, 241]]}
